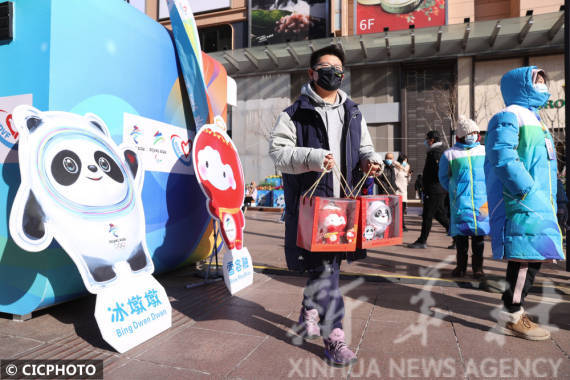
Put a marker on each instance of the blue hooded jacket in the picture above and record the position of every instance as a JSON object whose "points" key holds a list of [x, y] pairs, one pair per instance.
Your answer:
{"points": [[461, 173], [521, 175]]}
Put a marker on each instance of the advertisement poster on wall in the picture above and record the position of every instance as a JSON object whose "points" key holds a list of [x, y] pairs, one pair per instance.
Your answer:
{"points": [[372, 16], [276, 21]]}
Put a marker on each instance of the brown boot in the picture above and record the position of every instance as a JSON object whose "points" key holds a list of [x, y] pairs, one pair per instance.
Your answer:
{"points": [[519, 324]]}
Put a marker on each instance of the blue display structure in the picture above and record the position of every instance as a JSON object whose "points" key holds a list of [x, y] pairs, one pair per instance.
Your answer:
{"points": [[263, 198], [119, 62]]}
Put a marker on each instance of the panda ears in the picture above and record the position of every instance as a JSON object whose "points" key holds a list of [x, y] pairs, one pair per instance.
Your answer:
{"points": [[98, 123], [135, 166], [132, 161], [26, 118]]}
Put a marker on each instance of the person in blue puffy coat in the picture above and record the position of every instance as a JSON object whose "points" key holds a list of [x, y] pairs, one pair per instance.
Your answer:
{"points": [[461, 173], [520, 169]]}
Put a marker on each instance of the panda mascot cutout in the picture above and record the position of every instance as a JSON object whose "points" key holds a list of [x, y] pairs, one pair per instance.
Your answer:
{"points": [[79, 187]]}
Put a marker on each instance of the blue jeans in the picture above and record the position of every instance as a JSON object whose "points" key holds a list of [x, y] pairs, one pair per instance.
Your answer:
{"points": [[322, 293]]}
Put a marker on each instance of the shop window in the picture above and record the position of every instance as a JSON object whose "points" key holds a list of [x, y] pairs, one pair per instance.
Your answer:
{"points": [[216, 38], [198, 6], [163, 10], [139, 4]]}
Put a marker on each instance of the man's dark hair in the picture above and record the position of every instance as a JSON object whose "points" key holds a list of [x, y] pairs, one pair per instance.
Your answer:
{"points": [[433, 135], [328, 50]]}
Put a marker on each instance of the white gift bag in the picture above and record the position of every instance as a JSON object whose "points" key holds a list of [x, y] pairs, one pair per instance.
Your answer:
{"points": [[238, 269]]}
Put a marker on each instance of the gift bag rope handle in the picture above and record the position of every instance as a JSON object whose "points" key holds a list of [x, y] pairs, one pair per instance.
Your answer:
{"points": [[356, 190], [342, 182], [314, 186], [382, 186], [345, 188], [341, 179], [391, 187], [360, 184]]}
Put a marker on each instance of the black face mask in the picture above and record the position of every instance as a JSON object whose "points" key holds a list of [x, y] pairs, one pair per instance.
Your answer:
{"points": [[329, 78]]}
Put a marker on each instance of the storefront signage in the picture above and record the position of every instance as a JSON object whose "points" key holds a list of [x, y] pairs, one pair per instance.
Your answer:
{"points": [[372, 16], [555, 104]]}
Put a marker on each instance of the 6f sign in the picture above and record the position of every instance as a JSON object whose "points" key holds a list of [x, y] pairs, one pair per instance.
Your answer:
{"points": [[366, 24]]}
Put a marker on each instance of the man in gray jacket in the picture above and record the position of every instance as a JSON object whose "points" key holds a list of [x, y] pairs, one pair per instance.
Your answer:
{"points": [[323, 128]]}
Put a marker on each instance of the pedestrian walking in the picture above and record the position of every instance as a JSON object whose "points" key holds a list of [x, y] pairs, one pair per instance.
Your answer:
{"points": [[250, 194], [462, 174], [387, 180], [419, 187], [403, 176], [434, 194], [520, 170], [321, 129]]}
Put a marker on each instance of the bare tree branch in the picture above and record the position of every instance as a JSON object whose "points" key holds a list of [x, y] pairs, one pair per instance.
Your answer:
{"points": [[444, 109]]}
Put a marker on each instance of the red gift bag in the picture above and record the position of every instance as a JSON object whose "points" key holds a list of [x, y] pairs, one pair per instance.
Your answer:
{"points": [[327, 224], [380, 221]]}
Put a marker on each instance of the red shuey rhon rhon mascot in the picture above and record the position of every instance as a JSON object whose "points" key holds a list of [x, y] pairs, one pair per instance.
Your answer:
{"points": [[218, 166]]}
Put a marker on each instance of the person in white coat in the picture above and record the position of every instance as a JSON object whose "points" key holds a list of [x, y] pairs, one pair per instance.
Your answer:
{"points": [[403, 177]]}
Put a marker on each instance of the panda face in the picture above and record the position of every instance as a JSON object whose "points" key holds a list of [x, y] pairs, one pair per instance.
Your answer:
{"points": [[381, 216], [66, 168], [84, 170], [378, 214]]}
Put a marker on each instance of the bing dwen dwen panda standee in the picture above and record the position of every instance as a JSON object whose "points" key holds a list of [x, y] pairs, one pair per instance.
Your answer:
{"points": [[82, 189]]}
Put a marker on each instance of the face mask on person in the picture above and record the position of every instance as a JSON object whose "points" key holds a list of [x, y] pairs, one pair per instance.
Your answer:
{"points": [[426, 143], [388, 162], [329, 78], [404, 164], [471, 139], [540, 87]]}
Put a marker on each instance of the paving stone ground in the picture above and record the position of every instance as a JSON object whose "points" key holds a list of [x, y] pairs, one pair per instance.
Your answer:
{"points": [[401, 322]]}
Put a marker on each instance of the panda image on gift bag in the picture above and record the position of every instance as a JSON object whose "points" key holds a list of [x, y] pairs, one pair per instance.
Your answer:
{"points": [[79, 187], [378, 218]]}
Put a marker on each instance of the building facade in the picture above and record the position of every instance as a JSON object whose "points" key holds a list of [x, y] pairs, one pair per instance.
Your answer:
{"points": [[407, 81]]}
